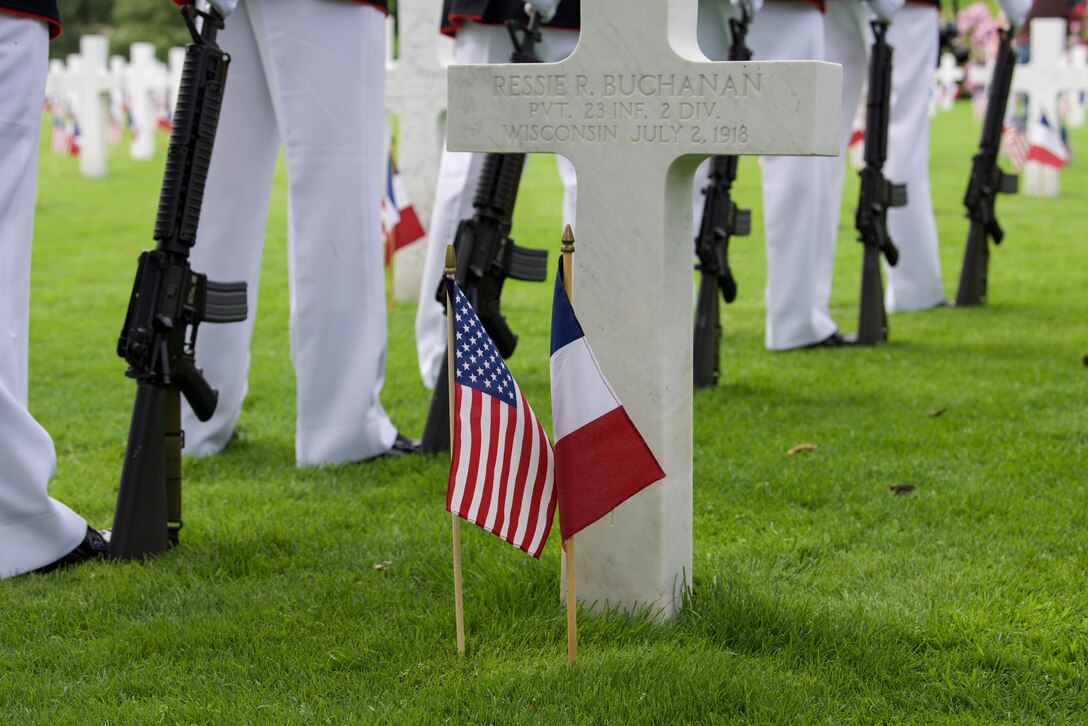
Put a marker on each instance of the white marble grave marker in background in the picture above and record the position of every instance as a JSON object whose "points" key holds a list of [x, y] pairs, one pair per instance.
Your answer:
{"points": [[92, 82], [947, 76], [1043, 79], [144, 81], [415, 92], [1078, 62], [118, 98], [636, 107], [175, 63]]}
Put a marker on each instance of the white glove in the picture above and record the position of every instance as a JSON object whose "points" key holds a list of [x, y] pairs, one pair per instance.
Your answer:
{"points": [[224, 7], [544, 8], [1015, 10], [885, 9]]}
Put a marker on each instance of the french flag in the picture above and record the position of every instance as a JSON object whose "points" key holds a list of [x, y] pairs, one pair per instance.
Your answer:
{"points": [[600, 457], [400, 224], [1046, 146]]}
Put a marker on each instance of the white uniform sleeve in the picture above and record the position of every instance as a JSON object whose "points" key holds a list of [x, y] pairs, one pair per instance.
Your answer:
{"points": [[886, 9], [545, 8], [1015, 10]]}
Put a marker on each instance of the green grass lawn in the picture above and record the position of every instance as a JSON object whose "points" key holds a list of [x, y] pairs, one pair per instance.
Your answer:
{"points": [[325, 595]]}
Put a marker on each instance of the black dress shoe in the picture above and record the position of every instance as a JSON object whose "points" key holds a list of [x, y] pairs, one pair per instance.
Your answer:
{"points": [[835, 340], [402, 446], [93, 546]]}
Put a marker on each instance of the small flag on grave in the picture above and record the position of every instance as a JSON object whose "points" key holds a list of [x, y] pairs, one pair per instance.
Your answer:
{"points": [[501, 463], [1045, 144], [600, 457], [400, 224], [1014, 142], [58, 134]]}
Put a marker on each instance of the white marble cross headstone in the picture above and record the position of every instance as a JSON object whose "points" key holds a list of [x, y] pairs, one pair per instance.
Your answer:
{"points": [[979, 74], [91, 83], [118, 102], [979, 77], [1043, 79], [175, 62], [947, 77], [144, 81], [54, 81], [415, 92], [636, 107], [1078, 62]]}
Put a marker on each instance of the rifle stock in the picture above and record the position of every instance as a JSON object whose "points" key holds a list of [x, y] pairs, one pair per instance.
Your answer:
{"points": [[986, 182], [169, 300]]}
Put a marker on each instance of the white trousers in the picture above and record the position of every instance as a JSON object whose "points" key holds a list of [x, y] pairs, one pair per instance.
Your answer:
{"points": [[34, 528], [915, 282], [847, 37], [458, 172], [307, 76], [794, 187]]}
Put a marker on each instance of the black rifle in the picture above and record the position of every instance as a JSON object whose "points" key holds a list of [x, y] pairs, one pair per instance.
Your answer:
{"points": [[987, 180], [486, 254], [877, 194], [169, 300], [722, 219]]}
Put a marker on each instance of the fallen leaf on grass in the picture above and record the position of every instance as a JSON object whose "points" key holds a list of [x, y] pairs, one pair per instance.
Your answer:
{"points": [[382, 565], [938, 412], [902, 488], [803, 449]]}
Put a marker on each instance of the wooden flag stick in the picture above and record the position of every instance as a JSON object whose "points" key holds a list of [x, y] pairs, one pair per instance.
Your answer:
{"points": [[458, 599], [568, 545]]}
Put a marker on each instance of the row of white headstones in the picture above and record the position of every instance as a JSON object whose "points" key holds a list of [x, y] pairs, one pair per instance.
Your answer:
{"points": [[635, 108], [1055, 82], [91, 87], [1068, 66]]}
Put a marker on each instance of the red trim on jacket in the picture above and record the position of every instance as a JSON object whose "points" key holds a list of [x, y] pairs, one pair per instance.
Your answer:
{"points": [[384, 9], [456, 20], [54, 26]]}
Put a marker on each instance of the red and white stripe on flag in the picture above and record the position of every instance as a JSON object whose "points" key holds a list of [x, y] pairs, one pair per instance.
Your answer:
{"points": [[501, 462], [1015, 144], [1045, 145]]}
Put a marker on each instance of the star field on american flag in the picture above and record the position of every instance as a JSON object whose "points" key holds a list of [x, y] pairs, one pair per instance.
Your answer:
{"points": [[477, 363]]}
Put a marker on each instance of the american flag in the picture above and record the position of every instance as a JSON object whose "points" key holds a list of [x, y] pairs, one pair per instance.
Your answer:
{"points": [[1014, 143], [501, 467], [58, 134]]}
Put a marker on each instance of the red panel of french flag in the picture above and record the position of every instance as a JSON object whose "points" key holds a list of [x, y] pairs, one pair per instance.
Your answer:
{"points": [[600, 457]]}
